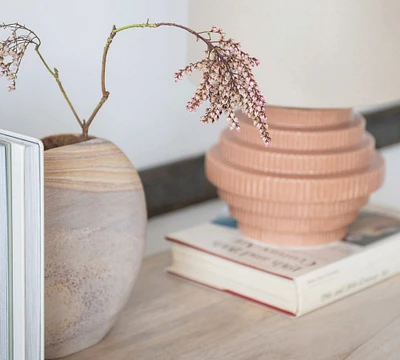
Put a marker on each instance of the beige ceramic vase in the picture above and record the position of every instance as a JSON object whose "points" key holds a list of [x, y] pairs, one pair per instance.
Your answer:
{"points": [[95, 218], [308, 186]]}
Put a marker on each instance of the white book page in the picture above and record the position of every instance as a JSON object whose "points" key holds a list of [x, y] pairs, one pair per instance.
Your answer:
{"points": [[5, 262], [34, 256], [18, 248]]}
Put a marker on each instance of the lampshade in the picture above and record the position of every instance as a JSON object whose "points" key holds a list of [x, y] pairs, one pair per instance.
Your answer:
{"points": [[313, 54]]}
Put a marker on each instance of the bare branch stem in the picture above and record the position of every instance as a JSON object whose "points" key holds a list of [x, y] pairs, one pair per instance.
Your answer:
{"points": [[156, 25], [104, 92], [115, 31], [44, 61], [56, 76]]}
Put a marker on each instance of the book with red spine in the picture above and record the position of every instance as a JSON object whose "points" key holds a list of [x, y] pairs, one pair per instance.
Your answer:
{"points": [[293, 281]]}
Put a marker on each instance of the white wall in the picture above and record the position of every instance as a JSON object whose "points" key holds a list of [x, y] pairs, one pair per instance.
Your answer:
{"points": [[145, 114]]}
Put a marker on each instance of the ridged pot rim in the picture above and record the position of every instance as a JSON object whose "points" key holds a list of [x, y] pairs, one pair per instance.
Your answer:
{"points": [[91, 165], [69, 140]]}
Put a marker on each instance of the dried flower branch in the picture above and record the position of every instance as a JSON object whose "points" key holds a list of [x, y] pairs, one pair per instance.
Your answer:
{"points": [[17, 42], [228, 82], [13, 49]]}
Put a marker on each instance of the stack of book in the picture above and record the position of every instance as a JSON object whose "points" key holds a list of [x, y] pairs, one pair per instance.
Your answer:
{"points": [[294, 281], [21, 247]]}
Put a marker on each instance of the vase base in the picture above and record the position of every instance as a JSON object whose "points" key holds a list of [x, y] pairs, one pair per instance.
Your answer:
{"points": [[78, 343], [293, 239]]}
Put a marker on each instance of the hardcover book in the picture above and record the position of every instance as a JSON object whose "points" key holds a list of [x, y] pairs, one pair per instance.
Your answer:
{"points": [[21, 248], [294, 281]]}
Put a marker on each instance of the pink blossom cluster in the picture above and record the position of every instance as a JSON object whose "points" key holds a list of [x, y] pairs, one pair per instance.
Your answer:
{"points": [[228, 83], [9, 63], [11, 52]]}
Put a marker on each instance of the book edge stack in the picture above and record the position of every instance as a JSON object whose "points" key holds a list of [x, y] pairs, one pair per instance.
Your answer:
{"points": [[25, 247], [345, 277]]}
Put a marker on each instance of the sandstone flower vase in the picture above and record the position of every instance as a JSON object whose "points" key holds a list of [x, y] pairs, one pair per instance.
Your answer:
{"points": [[95, 218]]}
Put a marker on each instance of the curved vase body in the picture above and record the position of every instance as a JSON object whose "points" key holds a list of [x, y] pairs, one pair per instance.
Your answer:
{"points": [[95, 218]]}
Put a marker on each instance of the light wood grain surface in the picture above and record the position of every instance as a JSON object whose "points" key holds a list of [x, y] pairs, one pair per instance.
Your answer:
{"points": [[169, 318]]}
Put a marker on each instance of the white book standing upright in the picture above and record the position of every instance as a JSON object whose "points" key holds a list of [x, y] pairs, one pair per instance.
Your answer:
{"points": [[21, 248]]}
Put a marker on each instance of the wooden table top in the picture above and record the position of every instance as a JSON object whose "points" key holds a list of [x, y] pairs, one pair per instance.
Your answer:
{"points": [[169, 318]]}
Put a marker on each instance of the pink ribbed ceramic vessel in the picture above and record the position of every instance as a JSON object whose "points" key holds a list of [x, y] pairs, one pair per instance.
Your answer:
{"points": [[308, 185]]}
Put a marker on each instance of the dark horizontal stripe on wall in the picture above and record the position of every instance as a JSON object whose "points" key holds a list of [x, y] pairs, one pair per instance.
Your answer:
{"points": [[384, 125], [183, 183], [176, 185]]}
